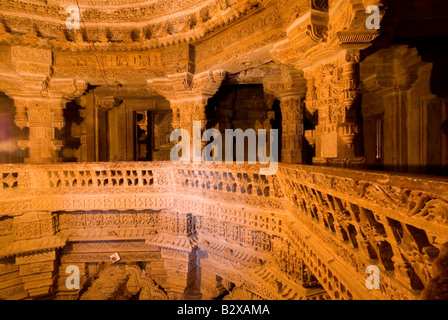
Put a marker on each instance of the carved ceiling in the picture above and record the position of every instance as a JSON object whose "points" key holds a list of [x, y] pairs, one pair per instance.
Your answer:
{"points": [[133, 42], [168, 21]]}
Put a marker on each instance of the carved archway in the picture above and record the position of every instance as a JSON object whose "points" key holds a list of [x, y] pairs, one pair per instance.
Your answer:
{"points": [[122, 282]]}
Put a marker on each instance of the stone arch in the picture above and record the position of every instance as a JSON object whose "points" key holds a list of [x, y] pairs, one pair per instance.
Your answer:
{"points": [[123, 282]]}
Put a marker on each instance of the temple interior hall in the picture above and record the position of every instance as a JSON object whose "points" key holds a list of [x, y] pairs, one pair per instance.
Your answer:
{"points": [[350, 95]]}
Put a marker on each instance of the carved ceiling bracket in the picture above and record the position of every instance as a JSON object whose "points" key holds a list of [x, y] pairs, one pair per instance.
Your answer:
{"points": [[325, 32]]}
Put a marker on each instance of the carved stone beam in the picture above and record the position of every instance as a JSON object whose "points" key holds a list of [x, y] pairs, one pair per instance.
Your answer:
{"points": [[183, 86]]}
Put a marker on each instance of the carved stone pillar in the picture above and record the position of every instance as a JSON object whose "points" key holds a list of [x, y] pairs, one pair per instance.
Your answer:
{"points": [[179, 252], [290, 90], [104, 150], [42, 117], [42, 113], [121, 137], [39, 99], [180, 272], [332, 91], [188, 95], [185, 113]]}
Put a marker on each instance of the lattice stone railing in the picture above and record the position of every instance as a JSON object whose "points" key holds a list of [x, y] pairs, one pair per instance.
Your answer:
{"points": [[397, 222], [336, 221]]}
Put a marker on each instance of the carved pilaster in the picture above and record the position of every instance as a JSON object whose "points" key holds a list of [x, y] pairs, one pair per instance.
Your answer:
{"points": [[41, 117], [39, 272], [179, 260], [333, 92]]}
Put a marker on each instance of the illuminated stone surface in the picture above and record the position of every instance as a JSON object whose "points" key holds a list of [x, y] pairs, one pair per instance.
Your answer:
{"points": [[96, 106]]}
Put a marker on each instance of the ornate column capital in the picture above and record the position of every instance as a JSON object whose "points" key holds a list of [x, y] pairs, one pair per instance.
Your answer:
{"points": [[188, 95], [290, 83], [186, 86], [67, 89]]}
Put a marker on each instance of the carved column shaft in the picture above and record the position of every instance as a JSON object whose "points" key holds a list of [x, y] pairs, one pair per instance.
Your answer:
{"points": [[292, 129], [290, 89]]}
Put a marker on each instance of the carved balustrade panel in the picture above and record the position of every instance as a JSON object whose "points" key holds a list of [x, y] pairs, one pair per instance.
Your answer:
{"points": [[242, 183], [99, 186], [387, 220], [316, 224]]}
